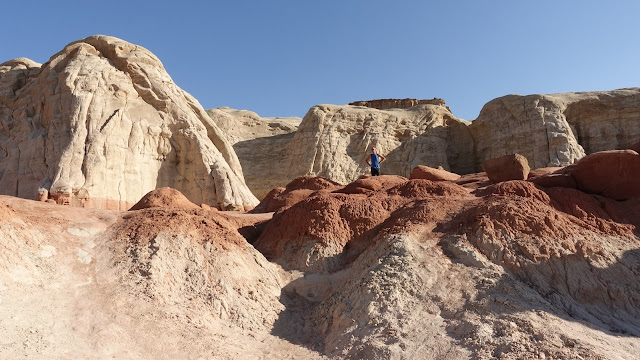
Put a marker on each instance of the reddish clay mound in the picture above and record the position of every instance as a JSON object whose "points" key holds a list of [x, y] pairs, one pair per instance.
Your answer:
{"points": [[206, 226], [635, 147], [328, 230], [519, 188], [506, 230], [164, 197], [370, 184], [313, 233], [311, 183], [420, 188], [613, 174], [296, 191]]}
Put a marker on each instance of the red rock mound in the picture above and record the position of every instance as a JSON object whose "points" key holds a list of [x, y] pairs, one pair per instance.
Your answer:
{"points": [[428, 173], [296, 191], [421, 188], [326, 231], [164, 197], [614, 174], [370, 184], [635, 147], [519, 188], [207, 226], [505, 168]]}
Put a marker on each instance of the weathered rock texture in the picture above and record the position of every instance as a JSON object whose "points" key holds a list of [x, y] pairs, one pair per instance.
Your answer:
{"points": [[397, 103], [557, 129], [102, 123], [427, 173], [507, 167], [261, 146], [333, 141]]}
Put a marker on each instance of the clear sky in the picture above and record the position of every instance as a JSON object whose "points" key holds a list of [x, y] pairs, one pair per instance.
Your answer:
{"points": [[279, 58]]}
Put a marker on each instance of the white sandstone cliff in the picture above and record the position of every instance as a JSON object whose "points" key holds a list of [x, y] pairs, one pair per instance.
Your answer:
{"points": [[102, 123], [557, 129], [333, 141]]}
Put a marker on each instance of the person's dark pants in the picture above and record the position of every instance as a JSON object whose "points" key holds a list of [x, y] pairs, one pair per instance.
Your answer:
{"points": [[375, 171]]}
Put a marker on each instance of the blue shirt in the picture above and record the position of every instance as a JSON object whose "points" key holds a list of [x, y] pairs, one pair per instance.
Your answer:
{"points": [[375, 161]]}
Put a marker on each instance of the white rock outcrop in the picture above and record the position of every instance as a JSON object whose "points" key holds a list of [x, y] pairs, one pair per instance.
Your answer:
{"points": [[102, 123], [333, 141], [557, 129]]}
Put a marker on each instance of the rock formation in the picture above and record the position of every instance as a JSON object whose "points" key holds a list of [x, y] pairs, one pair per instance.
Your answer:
{"points": [[102, 123], [507, 167], [381, 268], [557, 129], [332, 141], [427, 173], [261, 146], [382, 104]]}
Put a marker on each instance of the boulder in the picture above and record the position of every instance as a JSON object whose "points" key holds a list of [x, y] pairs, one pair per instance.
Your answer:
{"points": [[429, 173], [505, 168], [102, 123], [261, 146], [613, 174]]}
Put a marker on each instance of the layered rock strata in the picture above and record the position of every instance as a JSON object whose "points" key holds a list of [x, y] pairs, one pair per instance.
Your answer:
{"points": [[261, 146], [332, 141], [382, 104], [102, 123], [557, 129]]}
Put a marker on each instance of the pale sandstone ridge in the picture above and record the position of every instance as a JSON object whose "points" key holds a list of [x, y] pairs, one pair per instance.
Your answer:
{"points": [[260, 143], [102, 123], [557, 129], [382, 104], [332, 141]]}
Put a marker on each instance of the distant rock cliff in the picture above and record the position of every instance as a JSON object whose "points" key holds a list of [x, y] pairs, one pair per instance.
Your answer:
{"points": [[557, 129], [382, 104], [261, 146], [332, 140], [102, 123]]}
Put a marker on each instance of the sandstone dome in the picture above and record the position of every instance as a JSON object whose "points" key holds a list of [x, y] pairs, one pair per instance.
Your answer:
{"points": [[102, 123]]}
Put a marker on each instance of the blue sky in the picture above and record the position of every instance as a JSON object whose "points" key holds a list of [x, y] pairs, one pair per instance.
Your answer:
{"points": [[279, 58]]}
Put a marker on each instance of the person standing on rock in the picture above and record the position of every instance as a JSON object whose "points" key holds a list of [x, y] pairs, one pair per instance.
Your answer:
{"points": [[374, 160]]}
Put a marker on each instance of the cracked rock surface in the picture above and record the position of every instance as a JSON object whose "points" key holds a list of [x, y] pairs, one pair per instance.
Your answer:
{"points": [[102, 123]]}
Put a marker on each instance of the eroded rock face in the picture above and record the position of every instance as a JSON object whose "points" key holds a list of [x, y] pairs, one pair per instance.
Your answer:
{"points": [[261, 146], [333, 141], [427, 173], [397, 103], [557, 129], [102, 123]]}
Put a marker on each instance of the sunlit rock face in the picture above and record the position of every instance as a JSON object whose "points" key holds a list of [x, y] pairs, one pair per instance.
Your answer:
{"points": [[102, 123], [557, 129]]}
